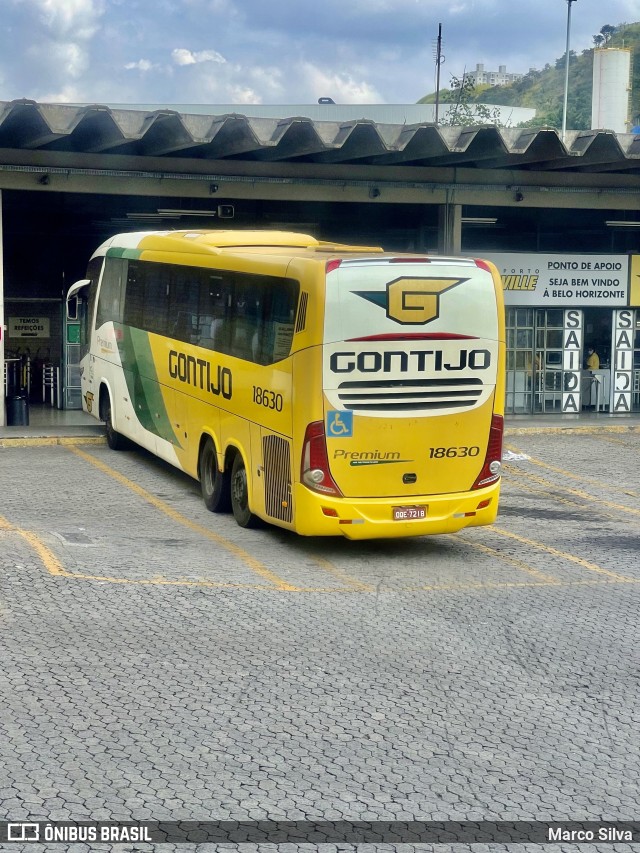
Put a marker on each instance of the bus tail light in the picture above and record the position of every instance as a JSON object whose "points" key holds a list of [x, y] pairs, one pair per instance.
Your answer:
{"points": [[314, 471], [493, 460], [483, 265]]}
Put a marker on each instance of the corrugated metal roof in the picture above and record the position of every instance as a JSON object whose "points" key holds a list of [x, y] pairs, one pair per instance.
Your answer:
{"points": [[29, 125], [380, 113]]}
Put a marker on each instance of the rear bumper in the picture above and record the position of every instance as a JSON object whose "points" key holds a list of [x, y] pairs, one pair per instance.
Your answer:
{"points": [[372, 518]]}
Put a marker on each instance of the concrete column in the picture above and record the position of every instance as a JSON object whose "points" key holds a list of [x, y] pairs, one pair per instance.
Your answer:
{"points": [[450, 229], [3, 408]]}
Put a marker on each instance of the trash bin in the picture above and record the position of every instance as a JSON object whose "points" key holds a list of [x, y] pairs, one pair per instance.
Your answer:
{"points": [[18, 410]]}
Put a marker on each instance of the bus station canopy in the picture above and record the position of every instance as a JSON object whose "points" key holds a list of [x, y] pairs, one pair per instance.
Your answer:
{"points": [[28, 128]]}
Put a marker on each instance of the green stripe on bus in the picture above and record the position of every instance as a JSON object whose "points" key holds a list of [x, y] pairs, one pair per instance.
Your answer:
{"points": [[142, 382], [132, 254]]}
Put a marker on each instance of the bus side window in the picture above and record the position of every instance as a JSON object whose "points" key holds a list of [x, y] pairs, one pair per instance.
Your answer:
{"points": [[246, 314], [215, 298], [110, 302], [156, 300], [183, 304], [93, 274], [134, 297], [282, 315], [262, 318]]}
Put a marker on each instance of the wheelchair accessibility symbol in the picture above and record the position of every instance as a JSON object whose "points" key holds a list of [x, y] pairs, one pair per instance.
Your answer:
{"points": [[339, 424]]}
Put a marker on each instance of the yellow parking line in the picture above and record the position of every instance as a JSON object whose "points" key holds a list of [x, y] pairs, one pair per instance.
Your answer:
{"points": [[353, 583], [547, 491], [461, 587], [585, 564], [578, 477], [547, 579], [618, 441], [551, 491], [575, 430], [50, 441], [587, 496], [49, 559], [55, 567], [162, 581], [255, 565]]}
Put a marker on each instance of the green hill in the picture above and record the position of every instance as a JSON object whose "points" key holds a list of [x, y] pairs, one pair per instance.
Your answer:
{"points": [[544, 90]]}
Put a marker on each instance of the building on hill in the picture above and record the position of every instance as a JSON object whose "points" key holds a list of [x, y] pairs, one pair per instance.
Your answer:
{"points": [[493, 78]]}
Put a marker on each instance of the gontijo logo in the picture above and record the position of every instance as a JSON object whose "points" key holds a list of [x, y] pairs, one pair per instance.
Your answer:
{"points": [[411, 301]]}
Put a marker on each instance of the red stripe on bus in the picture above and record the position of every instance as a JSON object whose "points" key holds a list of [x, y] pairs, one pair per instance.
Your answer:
{"points": [[417, 336]]}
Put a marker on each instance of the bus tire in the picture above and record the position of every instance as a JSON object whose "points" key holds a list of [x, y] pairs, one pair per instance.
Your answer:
{"points": [[214, 483], [115, 440], [240, 495]]}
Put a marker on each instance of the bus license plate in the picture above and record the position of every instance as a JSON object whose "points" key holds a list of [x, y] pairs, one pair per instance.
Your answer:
{"points": [[409, 513]]}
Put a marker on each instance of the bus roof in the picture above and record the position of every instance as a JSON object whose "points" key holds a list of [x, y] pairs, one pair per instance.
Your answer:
{"points": [[218, 242]]}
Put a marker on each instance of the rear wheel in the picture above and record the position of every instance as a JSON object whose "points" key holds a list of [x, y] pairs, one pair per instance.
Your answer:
{"points": [[240, 495], [214, 483], [115, 440]]}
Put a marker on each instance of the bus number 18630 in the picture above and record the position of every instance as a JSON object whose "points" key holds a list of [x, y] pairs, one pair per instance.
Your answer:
{"points": [[449, 452], [267, 398]]}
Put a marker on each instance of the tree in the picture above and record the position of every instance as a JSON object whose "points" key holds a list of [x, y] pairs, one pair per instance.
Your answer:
{"points": [[598, 40], [464, 112], [607, 32], [561, 61]]}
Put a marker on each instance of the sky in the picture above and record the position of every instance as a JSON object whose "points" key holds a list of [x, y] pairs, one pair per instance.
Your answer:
{"points": [[277, 51]]}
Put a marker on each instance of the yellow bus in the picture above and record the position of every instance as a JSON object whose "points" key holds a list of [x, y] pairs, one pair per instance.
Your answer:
{"points": [[327, 389]]}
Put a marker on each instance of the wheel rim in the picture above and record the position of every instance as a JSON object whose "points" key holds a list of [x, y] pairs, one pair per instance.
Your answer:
{"points": [[239, 489], [207, 473]]}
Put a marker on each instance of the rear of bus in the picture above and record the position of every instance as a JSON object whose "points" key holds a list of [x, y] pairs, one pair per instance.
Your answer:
{"points": [[407, 440]]}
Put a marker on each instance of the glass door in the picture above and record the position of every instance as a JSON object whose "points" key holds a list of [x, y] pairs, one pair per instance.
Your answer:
{"points": [[534, 360], [548, 358], [520, 361]]}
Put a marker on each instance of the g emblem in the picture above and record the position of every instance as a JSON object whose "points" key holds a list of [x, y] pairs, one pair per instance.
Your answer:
{"points": [[415, 301]]}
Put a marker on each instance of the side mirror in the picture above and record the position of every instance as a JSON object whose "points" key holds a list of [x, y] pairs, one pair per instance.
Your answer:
{"points": [[74, 298], [72, 308]]}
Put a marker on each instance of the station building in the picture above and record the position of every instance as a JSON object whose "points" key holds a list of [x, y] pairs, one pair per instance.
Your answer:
{"points": [[561, 219]]}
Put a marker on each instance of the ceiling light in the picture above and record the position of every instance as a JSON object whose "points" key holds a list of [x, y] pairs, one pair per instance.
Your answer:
{"points": [[149, 216], [622, 223], [166, 211], [479, 220]]}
